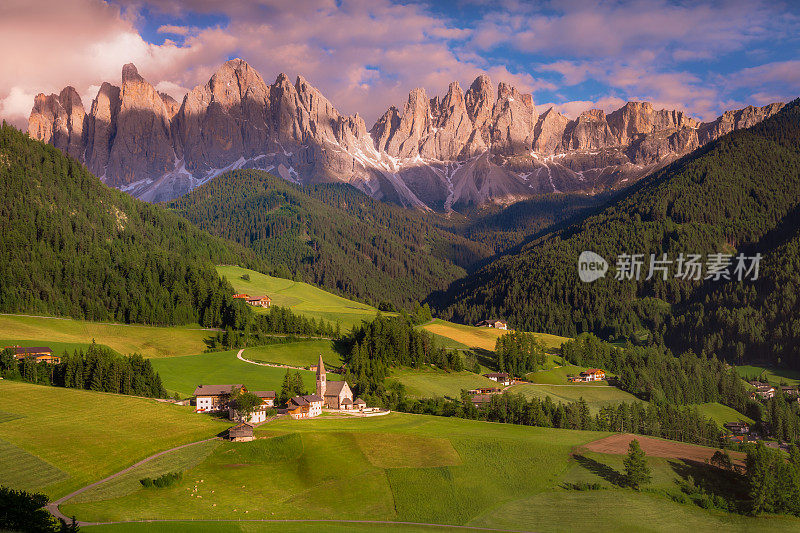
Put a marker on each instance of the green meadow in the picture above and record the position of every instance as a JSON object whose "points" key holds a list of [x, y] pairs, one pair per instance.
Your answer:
{"points": [[426, 383], [184, 374], [595, 396], [150, 341], [721, 414], [62, 439], [558, 376], [302, 298], [462, 336], [301, 353], [775, 376]]}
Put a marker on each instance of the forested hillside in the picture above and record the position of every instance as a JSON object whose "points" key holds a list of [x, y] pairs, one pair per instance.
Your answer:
{"points": [[332, 235], [737, 194], [72, 246]]}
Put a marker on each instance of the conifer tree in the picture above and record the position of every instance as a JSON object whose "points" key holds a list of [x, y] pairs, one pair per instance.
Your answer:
{"points": [[637, 473]]}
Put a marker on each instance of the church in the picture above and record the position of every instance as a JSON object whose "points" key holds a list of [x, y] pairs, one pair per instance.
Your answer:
{"points": [[336, 394]]}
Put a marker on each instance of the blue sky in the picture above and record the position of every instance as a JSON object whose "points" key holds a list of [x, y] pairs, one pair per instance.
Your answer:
{"points": [[365, 55]]}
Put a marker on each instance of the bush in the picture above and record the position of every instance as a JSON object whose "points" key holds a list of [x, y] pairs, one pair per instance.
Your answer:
{"points": [[163, 481], [583, 485]]}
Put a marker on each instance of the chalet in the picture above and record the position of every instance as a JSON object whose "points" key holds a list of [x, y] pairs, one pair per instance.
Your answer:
{"points": [[267, 397], [240, 433], [481, 400], [593, 374], [493, 323], [260, 301], [241, 296], [214, 398], [738, 428], [40, 354], [501, 377], [307, 406], [486, 390], [258, 416], [764, 392]]}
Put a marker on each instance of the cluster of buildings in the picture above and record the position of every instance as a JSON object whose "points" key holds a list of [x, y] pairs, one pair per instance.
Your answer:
{"points": [[255, 301], [40, 354], [492, 323], [587, 376], [483, 396], [335, 395], [766, 391], [503, 378]]}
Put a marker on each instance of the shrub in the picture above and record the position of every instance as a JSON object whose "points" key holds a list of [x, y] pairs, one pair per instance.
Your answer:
{"points": [[163, 481]]}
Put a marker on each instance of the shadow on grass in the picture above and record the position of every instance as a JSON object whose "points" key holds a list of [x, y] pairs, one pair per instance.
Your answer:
{"points": [[602, 470]]}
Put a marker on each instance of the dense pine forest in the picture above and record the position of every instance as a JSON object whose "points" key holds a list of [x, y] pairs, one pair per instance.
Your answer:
{"points": [[332, 235], [737, 194], [73, 247]]}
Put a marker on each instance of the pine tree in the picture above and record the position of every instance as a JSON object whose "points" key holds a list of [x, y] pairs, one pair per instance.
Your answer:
{"points": [[637, 473]]}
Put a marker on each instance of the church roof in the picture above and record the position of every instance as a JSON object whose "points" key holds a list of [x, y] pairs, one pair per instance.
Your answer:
{"points": [[359, 401], [333, 388], [347, 401]]}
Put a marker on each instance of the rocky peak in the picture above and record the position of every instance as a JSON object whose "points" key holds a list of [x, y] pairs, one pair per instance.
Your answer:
{"points": [[479, 100], [514, 119], [549, 132], [130, 74], [414, 123]]}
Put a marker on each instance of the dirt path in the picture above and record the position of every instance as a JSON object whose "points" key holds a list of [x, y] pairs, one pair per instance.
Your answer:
{"points": [[618, 444], [53, 506]]}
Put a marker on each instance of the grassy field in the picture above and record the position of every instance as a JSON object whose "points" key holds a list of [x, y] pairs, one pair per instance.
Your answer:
{"points": [[63, 439], [184, 374], [721, 414], [303, 298], [775, 376], [58, 347], [302, 353], [558, 376], [427, 383], [484, 338], [595, 396], [259, 527], [146, 340]]}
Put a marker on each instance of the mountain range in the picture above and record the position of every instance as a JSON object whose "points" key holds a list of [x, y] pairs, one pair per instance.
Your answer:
{"points": [[439, 153]]}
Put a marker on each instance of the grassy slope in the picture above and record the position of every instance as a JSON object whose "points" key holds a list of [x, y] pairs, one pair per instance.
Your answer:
{"points": [[303, 298], [558, 376], [57, 347], [775, 376], [596, 397], [485, 338], [412, 468], [302, 353], [149, 341], [86, 435], [721, 414], [429, 382], [184, 374]]}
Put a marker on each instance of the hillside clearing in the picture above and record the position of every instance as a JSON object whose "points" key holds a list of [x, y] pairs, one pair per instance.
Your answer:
{"points": [[484, 338], [427, 383], [596, 396], [721, 414], [301, 353]]}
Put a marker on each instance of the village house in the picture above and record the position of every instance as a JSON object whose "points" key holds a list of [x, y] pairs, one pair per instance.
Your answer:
{"points": [[486, 390], [267, 397], [336, 394], [40, 354], [481, 400], [738, 428], [214, 398], [260, 301], [240, 433], [493, 323], [764, 392], [501, 377], [593, 374], [307, 406]]}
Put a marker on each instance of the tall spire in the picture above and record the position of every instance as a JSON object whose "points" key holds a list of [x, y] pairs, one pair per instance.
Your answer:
{"points": [[321, 380]]}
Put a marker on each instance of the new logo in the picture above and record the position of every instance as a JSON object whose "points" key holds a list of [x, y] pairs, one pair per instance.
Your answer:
{"points": [[591, 267]]}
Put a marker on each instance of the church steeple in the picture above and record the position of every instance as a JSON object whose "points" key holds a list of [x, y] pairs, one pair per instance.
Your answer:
{"points": [[321, 385]]}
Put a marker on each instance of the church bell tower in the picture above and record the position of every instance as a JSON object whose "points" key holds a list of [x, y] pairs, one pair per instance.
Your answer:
{"points": [[321, 378]]}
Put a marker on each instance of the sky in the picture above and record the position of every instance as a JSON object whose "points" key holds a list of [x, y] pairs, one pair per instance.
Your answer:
{"points": [[366, 55]]}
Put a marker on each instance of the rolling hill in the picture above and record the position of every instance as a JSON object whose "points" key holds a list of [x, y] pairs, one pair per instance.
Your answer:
{"points": [[332, 235]]}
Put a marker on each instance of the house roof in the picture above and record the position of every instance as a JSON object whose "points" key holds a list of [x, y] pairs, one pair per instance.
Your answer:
{"points": [[241, 296], [593, 371], [241, 429], [496, 375], [347, 401], [21, 350], [257, 298], [312, 398], [216, 390], [359, 401], [264, 393], [298, 400], [482, 398]]}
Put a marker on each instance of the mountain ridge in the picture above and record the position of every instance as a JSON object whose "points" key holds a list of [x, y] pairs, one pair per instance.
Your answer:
{"points": [[462, 149]]}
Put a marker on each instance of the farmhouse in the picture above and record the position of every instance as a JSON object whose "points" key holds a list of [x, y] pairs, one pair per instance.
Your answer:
{"points": [[260, 301], [481, 400], [335, 394], [240, 433], [501, 377], [214, 398], [307, 406], [486, 390], [593, 374], [267, 397], [40, 354], [764, 391], [493, 323], [738, 428]]}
